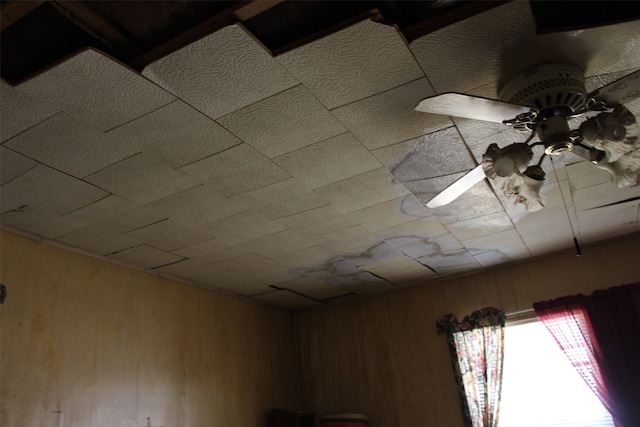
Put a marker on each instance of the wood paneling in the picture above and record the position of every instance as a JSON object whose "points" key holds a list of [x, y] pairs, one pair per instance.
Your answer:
{"points": [[382, 355], [87, 342]]}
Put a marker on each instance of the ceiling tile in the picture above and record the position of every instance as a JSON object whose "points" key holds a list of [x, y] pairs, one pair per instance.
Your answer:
{"points": [[176, 134], [209, 251], [596, 50], [96, 89], [491, 52], [585, 174], [479, 226], [70, 146], [221, 73], [13, 164], [305, 259], [434, 155], [412, 232], [241, 227], [363, 190], [279, 243], [141, 179], [98, 240], [602, 194], [608, 222], [144, 256], [331, 160], [192, 271], [284, 199], [459, 269], [236, 170], [426, 189], [199, 205], [488, 242], [283, 122], [168, 235], [389, 117], [317, 221], [388, 214], [18, 112], [312, 287], [115, 214], [40, 223], [400, 270], [466, 208], [47, 190], [363, 283], [503, 255], [349, 238], [352, 64], [247, 265]]}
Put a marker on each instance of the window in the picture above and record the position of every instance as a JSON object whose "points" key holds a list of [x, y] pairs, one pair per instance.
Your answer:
{"points": [[540, 387]]}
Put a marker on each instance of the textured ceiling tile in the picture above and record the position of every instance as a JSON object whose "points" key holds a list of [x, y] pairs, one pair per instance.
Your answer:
{"points": [[546, 230], [602, 194], [318, 221], [412, 232], [141, 179], [364, 283], [221, 73], [328, 161], [18, 112], [434, 155], [390, 117], [199, 205], [466, 208], [115, 214], [98, 240], [71, 146], [426, 189], [434, 246], [247, 265], [283, 122], [49, 191], [236, 170], [243, 286], [284, 199], [596, 50], [305, 259], [459, 269], [312, 287], [452, 258], [608, 222], [352, 64], [168, 235], [480, 50], [502, 255], [492, 241], [364, 190], [377, 252], [400, 270], [192, 271], [13, 164], [585, 174], [40, 223], [144, 256], [350, 238], [278, 243], [241, 227], [287, 299], [492, 223], [97, 89], [176, 134], [388, 214], [209, 251]]}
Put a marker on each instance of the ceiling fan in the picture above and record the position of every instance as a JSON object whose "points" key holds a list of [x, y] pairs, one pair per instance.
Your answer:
{"points": [[542, 100]]}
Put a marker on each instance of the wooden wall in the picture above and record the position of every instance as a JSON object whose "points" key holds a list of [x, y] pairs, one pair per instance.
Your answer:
{"points": [[382, 355], [85, 342]]}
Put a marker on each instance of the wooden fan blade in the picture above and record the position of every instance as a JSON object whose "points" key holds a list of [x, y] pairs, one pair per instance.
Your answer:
{"points": [[471, 107], [458, 188], [619, 92]]}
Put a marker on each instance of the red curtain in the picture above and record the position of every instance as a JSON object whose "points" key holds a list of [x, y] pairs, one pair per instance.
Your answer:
{"points": [[600, 334]]}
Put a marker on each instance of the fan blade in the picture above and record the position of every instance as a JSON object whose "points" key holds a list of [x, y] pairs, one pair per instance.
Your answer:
{"points": [[619, 92], [458, 188], [471, 107]]}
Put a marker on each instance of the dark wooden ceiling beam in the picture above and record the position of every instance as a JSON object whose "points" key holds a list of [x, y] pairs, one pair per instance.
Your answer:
{"points": [[84, 16], [13, 11]]}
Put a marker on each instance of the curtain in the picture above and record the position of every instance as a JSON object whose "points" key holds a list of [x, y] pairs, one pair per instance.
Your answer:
{"points": [[477, 351], [600, 334]]}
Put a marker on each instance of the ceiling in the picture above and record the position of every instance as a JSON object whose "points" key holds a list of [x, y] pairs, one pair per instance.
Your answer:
{"points": [[296, 172]]}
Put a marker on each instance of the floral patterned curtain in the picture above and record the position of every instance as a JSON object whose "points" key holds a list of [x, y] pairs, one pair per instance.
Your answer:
{"points": [[476, 345]]}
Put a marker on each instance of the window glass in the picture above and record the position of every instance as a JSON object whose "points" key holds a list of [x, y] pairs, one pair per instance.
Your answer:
{"points": [[540, 387]]}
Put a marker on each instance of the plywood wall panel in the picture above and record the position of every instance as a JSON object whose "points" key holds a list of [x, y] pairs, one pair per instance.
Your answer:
{"points": [[383, 356], [111, 346]]}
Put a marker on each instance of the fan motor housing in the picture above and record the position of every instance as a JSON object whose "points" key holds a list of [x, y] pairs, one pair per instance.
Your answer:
{"points": [[552, 89]]}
